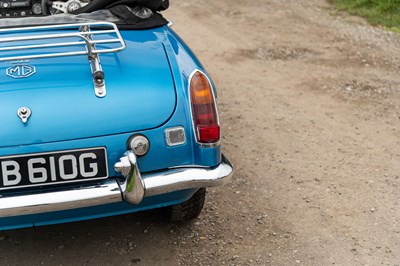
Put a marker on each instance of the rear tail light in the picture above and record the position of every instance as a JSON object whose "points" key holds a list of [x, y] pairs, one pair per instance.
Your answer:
{"points": [[204, 110]]}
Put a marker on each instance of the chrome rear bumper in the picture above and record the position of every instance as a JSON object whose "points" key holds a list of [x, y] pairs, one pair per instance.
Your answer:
{"points": [[135, 187]]}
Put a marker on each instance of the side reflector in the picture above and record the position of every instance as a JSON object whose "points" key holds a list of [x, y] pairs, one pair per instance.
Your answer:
{"points": [[204, 110], [175, 136]]}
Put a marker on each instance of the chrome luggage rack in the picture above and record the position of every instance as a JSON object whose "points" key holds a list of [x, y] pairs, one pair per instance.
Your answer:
{"points": [[49, 41]]}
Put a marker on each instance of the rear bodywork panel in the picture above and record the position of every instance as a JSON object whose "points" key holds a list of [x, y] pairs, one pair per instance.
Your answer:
{"points": [[147, 92], [62, 97]]}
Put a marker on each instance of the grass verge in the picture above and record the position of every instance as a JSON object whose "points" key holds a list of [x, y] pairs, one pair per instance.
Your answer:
{"points": [[384, 13]]}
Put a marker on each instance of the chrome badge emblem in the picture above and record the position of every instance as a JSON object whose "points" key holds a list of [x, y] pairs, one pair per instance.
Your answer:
{"points": [[24, 113], [20, 71]]}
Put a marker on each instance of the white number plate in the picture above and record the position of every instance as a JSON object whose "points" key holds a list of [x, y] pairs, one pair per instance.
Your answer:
{"points": [[41, 169]]}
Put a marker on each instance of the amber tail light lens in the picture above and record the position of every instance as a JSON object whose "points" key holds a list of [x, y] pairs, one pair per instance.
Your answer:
{"points": [[204, 110]]}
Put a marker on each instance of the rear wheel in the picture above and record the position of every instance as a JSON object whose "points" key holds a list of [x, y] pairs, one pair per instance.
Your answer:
{"points": [[189, 209]]}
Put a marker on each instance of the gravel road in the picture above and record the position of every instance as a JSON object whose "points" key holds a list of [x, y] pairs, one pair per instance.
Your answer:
{"points": [[310, 106]]}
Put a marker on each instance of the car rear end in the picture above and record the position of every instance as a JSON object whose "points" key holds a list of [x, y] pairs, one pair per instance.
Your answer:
{"points": [[97, 134]]}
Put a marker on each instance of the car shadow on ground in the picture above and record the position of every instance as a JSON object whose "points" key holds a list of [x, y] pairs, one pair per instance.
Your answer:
{"points": [[126, 239]]}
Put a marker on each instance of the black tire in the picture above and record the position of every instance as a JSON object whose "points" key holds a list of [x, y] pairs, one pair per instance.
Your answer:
{"points": [[189, 209]]}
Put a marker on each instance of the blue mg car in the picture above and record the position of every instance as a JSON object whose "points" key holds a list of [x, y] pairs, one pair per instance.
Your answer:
{"points": [[104, 110]]}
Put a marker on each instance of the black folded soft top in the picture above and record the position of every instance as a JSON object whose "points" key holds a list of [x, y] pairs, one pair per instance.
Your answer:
{"points": [[127, 14]]}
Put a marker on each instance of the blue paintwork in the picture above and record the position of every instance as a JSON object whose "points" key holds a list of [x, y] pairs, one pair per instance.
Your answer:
{"points": [[140, 94], [147, 92]]}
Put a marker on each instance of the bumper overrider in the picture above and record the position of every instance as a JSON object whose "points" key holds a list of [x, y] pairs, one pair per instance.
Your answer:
{"points": [[133, 189]]}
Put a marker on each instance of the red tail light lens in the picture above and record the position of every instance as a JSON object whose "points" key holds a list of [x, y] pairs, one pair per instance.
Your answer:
{"points": [[204, 111]]}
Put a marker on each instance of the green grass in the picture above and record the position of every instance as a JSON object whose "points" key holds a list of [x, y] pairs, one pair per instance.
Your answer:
{"points": [[378, 12]]}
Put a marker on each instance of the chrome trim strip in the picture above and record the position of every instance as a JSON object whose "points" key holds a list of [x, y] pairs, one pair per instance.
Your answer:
{"points": [[210, 145]]}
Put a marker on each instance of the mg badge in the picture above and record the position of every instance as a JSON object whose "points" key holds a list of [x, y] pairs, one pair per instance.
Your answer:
{"points": [[24, 113], [20, 71]]}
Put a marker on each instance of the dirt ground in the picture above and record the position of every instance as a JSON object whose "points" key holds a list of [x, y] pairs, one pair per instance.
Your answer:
{"points": [[310, 111]]}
